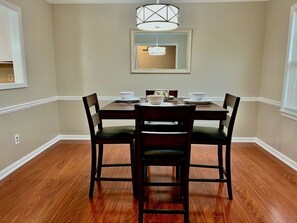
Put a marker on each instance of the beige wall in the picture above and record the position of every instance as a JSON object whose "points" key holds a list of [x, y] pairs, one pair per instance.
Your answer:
{"points": [[92, 51], [35, 126], [38, 125], [275, 130]]}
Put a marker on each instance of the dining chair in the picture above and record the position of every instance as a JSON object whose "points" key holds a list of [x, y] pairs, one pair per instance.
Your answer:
{"points": [[107, 135], [156, 147], [173, 93], [162, 124], [220, 136]]}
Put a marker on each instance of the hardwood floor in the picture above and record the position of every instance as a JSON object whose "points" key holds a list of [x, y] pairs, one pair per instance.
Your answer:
{"points": [[54, 186]]}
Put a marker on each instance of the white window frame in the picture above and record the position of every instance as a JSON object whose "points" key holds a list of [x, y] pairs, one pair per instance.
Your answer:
{"points": [[286, 111], [18, 53]]}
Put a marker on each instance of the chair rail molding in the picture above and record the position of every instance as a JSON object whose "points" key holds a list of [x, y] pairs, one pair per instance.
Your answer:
{"points": [[270, 102], [26, 105]]}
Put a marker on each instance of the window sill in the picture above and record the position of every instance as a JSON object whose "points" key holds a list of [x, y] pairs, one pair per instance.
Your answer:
{"points": [[288, 114], [7, 86]]}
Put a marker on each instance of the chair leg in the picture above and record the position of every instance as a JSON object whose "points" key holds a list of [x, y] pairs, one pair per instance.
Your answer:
{"points": [[140, 189], [93, 170], [177, 172], [140, 210], [185, 192], [100, 158], [220, 161], [228, 171], [186, 214], [145, 173], [133, 169]]}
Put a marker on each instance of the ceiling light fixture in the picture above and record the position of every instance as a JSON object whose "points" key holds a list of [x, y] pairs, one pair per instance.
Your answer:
{"points": [[157, 17]]}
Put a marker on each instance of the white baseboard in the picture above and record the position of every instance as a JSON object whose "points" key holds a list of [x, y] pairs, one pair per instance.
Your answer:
{"points": [[74, 137], [291, 163], [11, 168], [244, 139]]}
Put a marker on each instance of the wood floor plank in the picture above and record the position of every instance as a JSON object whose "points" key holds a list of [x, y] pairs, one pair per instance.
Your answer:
{"points": [[53, 187]]}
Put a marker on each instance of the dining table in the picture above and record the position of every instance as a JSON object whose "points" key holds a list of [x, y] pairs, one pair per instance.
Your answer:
{"points": [[120, 109]]}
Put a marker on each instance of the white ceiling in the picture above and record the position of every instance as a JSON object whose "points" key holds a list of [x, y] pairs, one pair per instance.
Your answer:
{"points": [[144, 1]]}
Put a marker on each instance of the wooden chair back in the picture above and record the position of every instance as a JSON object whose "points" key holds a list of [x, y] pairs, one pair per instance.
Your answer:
{"points": [[231, 102], [177, 138], [92, 107]]}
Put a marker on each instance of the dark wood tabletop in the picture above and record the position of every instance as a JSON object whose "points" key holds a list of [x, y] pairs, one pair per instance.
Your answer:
{"points": [[126, 110]]}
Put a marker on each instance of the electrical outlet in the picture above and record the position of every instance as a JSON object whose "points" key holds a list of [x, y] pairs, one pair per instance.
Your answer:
{"points": [[17, 138]]}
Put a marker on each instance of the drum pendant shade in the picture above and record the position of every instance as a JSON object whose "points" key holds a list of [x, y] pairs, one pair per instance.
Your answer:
{"points": [[157, 17], [157, 51]]}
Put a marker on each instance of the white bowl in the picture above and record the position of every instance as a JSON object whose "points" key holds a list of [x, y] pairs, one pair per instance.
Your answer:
{"points": [[196, 96], [155, 99], [127, 94]]}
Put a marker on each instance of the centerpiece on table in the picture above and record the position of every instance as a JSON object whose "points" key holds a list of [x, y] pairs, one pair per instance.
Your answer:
{"points": [[163, 92]]}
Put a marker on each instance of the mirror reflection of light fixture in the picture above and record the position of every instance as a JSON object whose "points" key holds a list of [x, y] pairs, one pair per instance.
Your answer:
{"points": [[178, 45], [157, 17], [156, 50]]}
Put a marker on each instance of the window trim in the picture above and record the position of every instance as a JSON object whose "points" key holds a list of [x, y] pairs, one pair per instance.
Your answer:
{"points": [[18, 48], [286, 112]]}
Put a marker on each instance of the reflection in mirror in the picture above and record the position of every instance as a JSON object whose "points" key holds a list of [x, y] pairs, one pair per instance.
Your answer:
{"points": [[12, 61], [161, 52], [164, 60]]}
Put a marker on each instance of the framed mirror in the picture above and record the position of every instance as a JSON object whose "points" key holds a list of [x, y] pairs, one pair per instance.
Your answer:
{"points": [[161, 52], [12, 59]]}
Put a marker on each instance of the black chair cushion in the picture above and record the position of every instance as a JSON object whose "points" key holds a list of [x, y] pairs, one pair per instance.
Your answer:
{"points": [[163, 153], [116, 132], [208, 135]]}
